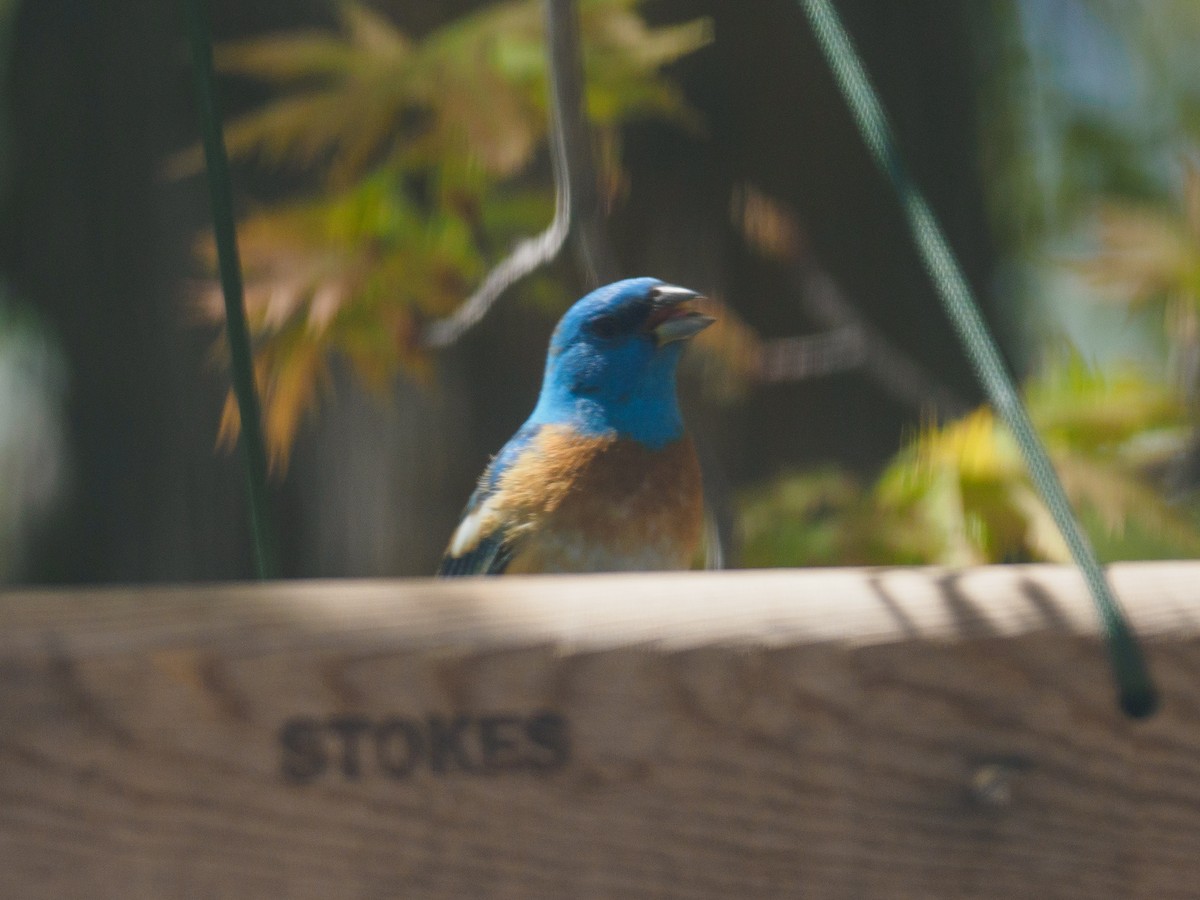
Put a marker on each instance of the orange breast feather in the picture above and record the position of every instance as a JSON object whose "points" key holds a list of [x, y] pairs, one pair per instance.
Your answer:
{"points": [[601, 504]]}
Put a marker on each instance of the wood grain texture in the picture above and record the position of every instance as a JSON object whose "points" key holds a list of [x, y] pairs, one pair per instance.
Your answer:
{"points": [[827, 733]]}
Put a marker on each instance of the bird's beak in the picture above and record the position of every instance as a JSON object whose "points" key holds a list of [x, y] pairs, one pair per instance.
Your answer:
{"points": [[672, 319]]}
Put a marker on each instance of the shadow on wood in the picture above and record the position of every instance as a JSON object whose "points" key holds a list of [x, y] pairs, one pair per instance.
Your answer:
{"points": [[826, 733]]}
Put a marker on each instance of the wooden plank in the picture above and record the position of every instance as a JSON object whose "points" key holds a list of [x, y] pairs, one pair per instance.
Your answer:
{"points": [[828, 733]]}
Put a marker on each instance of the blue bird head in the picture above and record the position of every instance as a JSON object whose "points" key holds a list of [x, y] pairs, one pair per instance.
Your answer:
{"points": [[612, 361]]}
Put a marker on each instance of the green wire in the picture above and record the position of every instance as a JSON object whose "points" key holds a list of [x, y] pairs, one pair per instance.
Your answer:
{"points": [[1138, 697], [221, 197]]}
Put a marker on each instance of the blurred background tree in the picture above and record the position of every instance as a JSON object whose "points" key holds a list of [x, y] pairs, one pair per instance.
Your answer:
{"points": [[419, 147], [1097, 121], [394, 151], [32, 443]]}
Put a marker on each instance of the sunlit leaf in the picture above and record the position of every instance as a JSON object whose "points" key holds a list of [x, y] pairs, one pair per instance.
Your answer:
{"points": [[1083, 408], [299, 57], [1143, 255], [964, 488], [476, 86], [1152, 254], [767, 226]]}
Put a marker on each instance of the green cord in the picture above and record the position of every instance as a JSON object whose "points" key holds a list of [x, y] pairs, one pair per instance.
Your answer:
{"points": [[221, 197], [1138, 696]]}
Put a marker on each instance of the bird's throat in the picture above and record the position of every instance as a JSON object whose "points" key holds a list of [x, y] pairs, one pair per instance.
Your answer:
{"points": [[648, 414]]}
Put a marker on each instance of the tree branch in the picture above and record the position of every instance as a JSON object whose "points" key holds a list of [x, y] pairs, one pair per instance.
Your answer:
{"points": [[889, 367], [851, 340], [577, 197], [573, 129], [809, 356]]}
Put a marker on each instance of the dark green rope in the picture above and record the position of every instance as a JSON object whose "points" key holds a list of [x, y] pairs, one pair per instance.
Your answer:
{"points": [[1138, 696], [221, 197]]}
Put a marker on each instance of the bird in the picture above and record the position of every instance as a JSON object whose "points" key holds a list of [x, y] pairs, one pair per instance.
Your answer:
{"points": [[603, 476]]}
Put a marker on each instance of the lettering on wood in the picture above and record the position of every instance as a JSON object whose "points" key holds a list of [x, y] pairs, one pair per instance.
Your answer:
{"points": [[396, 747]]}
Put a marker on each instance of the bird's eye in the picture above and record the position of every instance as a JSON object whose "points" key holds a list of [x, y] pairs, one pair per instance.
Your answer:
{"points": [[604, 327]]}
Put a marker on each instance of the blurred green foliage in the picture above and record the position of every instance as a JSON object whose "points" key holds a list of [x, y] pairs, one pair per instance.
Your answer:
{"points": [[1147, 259], [960, 494], [1093, 105], [422, 150]]}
